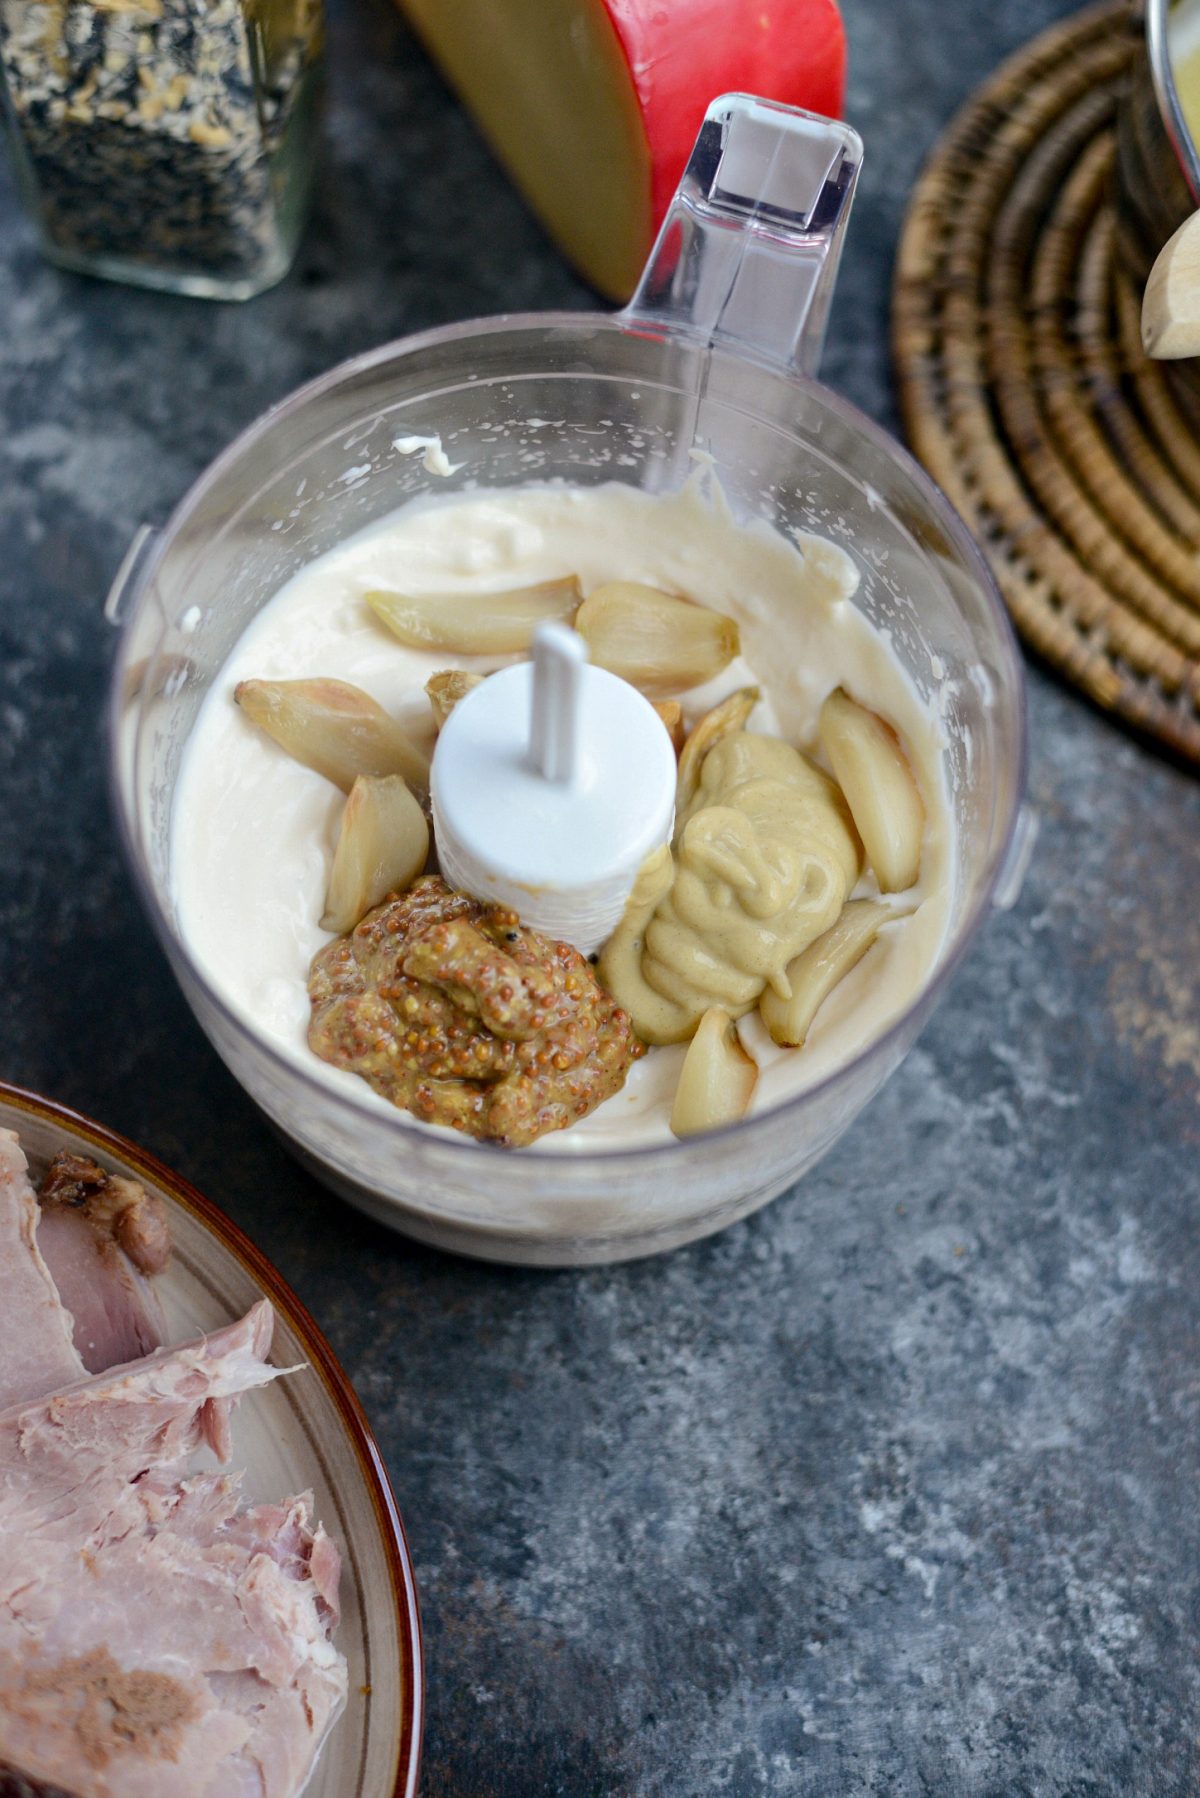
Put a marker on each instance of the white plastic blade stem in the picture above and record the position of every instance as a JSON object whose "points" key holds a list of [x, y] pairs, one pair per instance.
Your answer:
{"points": [[559, 654]]}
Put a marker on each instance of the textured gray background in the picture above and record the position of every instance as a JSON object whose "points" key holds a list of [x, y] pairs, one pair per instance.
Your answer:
{"points": [[892, 1489]]}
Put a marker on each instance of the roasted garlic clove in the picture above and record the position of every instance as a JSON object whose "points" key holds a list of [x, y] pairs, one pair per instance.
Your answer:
{"points": [[671, 713], [333, 728], [717, 1079], [447, 688], [730, 715], [653, 640], [475, 624], [870, 766], [382, 846], [814, 973]]}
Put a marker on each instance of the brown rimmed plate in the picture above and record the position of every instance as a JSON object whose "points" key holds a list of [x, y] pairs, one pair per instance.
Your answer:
{"points": [[305, 1432]]}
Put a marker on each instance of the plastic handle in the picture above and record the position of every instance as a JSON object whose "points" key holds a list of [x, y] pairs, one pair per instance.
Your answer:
{"points": [[1011, 877], [132, 564], [748, 251], [559, 655]]}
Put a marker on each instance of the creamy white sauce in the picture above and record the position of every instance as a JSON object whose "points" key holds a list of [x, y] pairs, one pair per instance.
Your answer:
{"points": [[434, 459], [253, 832]]}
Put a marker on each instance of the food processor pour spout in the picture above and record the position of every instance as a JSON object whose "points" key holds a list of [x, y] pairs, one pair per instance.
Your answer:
{"points": [[748, 252]]}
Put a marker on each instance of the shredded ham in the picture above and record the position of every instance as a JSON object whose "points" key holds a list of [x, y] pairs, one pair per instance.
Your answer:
{"points": [[156, 1640], [38, 1353]]}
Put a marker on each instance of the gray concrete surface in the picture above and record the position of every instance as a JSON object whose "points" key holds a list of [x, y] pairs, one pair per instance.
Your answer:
{"points": [[891, 1489]]}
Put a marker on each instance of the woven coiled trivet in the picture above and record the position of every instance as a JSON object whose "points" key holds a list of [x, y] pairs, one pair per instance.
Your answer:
{"points": [[1025, 392]]}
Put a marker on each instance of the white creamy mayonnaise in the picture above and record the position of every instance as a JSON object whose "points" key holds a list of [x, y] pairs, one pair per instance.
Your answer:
{"points": [[253, 832]]}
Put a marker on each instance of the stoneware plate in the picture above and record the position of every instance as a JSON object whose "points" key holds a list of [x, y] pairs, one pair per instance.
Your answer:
{"points": [[303, 1432]]}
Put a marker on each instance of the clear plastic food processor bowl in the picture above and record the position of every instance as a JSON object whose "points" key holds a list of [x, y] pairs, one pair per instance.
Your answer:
{"points": [[714, 354]]}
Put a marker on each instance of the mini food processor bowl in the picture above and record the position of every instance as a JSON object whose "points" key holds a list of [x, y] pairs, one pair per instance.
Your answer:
{"points": [[708, 367], [1157, 163]]}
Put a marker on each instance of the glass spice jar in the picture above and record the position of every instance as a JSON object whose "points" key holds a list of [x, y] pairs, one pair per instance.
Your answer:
{"points": [[165, 142]]}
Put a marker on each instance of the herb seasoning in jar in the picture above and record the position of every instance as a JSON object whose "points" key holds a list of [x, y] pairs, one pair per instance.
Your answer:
{"points": [[165, 142]]}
